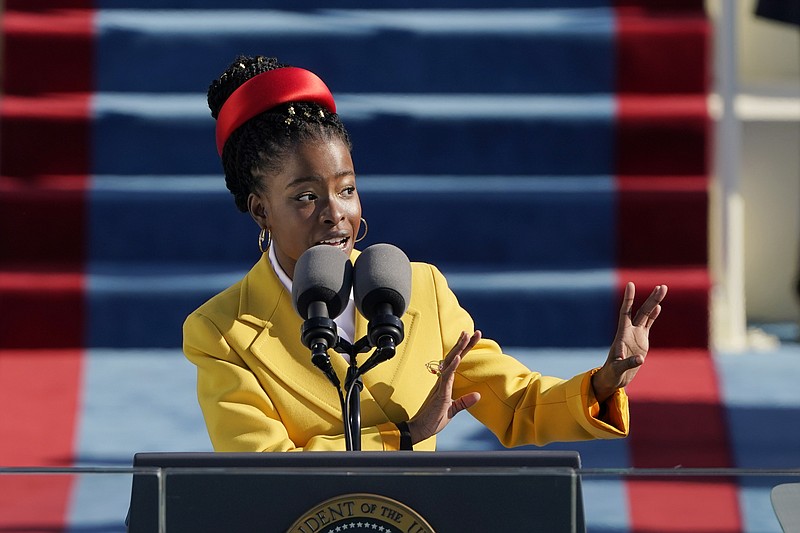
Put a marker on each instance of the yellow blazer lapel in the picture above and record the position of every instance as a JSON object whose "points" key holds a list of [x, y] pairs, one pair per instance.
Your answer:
{"points": [[385, 382], [392, 378], [266, 303]]}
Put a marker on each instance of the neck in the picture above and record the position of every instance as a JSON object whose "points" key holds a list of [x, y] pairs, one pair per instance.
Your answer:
{"points": [[280, 266]]}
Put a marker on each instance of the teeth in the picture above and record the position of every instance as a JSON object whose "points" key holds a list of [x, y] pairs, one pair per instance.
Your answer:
{"points": [[335, 242]]}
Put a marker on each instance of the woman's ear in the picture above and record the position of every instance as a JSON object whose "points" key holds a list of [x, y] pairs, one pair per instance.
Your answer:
{"points": [[258, 210]]}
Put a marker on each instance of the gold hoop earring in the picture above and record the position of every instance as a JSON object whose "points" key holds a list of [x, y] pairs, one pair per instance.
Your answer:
{"points": [[262, 235], [366, 230]]}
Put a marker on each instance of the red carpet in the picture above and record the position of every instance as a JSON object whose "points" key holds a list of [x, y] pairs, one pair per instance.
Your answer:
{"points": [[39, 392], [663, 154], [47, 63]]}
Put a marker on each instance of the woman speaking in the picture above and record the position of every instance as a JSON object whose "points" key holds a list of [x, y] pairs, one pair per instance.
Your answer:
{"points": [[287, 162]]}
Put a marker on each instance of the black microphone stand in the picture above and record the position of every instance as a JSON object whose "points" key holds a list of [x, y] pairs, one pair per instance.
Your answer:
{"points": [[319, 333], [352, 383]]}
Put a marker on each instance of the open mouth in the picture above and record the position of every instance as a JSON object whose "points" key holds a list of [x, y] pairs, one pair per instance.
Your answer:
{"points": [[341, 243]]}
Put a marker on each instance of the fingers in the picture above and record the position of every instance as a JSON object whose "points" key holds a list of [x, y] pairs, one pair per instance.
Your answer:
{"points": [[652, 316], [465, 402], [649, 310], [463, 345], [439, 408], [473, 340], [632, 362], [627, 303]]}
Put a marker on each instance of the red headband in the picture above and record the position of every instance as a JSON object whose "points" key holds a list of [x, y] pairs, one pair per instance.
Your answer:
{"points": [[267, 90]]}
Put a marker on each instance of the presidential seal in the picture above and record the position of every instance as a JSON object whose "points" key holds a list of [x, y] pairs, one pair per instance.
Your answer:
{"points": [[355, 513]]}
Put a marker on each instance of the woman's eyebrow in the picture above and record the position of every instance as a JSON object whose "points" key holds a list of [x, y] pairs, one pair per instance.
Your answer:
{"points": [[313, 178], [303, 179]]}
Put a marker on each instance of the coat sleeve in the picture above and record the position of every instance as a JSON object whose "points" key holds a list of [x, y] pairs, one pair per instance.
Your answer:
{"points": [[239, 415], [520, 406]]}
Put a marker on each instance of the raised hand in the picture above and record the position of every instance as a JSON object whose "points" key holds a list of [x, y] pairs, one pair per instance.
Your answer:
{"points": [[439, 407], [631, 343]]}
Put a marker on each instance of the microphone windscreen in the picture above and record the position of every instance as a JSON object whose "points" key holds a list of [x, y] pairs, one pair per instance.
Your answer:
{"points": [[382, 275], [322, 274]]}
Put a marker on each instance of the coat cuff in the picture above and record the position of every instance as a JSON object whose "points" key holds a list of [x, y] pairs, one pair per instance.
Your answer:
{"points": [[390, 436], [607, 421]]}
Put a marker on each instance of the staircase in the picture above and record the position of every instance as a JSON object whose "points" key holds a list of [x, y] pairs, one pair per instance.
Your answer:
{"points": [[542, 154]]}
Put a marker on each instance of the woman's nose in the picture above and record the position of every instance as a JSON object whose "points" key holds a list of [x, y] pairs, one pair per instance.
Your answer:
{"points": [[332, 211]]}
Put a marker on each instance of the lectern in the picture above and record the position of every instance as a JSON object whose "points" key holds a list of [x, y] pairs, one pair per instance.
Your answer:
{"points": [[383, 492]]}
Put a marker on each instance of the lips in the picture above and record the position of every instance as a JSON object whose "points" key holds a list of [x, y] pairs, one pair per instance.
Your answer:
{"points": [[340, 242]]}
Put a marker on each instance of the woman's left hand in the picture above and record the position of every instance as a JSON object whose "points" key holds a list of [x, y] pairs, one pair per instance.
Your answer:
{"points": [[439, 408], [630, 346]]}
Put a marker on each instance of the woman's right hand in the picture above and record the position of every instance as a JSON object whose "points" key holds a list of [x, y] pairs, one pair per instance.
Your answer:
{"points": [[439, 407]]}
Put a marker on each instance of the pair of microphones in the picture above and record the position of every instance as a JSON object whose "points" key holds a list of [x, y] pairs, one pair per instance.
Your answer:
{"points": [[380, 281]]}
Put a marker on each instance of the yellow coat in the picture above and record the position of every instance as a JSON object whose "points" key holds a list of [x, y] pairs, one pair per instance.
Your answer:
{"points": [[259, 390]]}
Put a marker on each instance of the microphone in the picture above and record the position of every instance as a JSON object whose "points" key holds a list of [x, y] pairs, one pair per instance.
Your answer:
{"points": [[382, 289], [320, 292]]}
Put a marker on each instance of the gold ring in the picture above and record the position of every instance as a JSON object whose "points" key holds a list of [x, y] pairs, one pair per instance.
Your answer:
{"points": [[435, 367]]}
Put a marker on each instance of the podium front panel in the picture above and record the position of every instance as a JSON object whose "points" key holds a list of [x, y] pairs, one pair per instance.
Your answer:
{"points": [[451, 491]]}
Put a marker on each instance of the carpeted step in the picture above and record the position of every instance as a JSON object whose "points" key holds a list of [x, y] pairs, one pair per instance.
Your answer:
{"points": [[662, 47], [500, 221], [136, 307], [662, 134], [441, 135], [47, 51], [143, 306], [45, 136], [42, 222], [568, 49], [678, 398], [580, 308], [465, 221], [146, 273], [42, 309], [131, 305], [374, 51], [456, 134], [40, 393], [662, 221]]}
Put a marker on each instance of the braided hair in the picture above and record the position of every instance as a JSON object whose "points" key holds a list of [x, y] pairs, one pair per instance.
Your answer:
{"points": [[258, 146]]}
